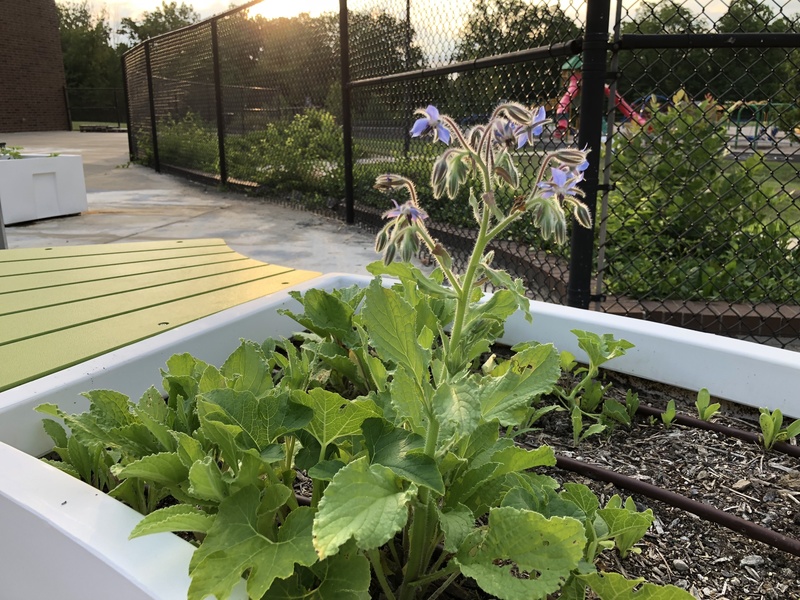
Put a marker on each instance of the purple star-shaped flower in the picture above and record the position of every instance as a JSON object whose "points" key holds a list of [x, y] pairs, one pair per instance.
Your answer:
{"points": [[532, 129], [408, 210], [505, 133], [430, 122], [561, 185]]}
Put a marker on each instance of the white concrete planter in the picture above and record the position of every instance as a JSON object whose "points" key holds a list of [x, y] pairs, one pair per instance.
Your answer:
{"points": [[38, 186], [53, 522]]}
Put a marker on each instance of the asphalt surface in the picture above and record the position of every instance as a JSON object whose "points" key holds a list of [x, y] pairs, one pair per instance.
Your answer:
{"points": [[129, 203]]}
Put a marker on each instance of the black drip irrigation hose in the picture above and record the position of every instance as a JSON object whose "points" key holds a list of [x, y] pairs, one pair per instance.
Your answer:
{"points": [[747, 436], [702, 510]]}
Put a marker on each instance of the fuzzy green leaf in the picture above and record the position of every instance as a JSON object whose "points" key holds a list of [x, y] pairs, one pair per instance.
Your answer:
{"points": [[513, 459], [582, 496], [391, 324], [547, 550], [601, 348], [180, 517], [400, 450], [457, 408], [206, 481], [157, 417], [613, 586], [407, 401], [346, 576], [533, 372], [625, 525], [233, 546], [456, 525], [333, 416], [165, 468], [247, 368], [326, 315], [364, 502]]}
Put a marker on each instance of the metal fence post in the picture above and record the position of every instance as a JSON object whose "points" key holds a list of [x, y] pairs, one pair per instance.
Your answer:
{"points": [[347, 122], [152, 98], [125, 90], [595, 50], [223, 166]]}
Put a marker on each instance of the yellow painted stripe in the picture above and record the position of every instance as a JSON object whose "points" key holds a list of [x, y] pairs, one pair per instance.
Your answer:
{"points": [[36, 322], [35, 357], [18, 254], [64, 263], [43, 281], [64, 295]]}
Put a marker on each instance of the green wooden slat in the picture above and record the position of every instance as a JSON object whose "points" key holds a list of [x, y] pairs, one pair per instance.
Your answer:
{"points": [[61, 296], [37, 281], [88, 261], [38, 356], [43, 320], [18, 254]]}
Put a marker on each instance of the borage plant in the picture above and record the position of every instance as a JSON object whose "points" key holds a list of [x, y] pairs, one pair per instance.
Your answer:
{"points": [[384, 408]]}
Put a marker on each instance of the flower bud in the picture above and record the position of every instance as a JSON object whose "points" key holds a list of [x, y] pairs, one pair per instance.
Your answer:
{"points": [[388, 255], [381, 240], [582, 214], [517, 113], [443, 255], [390, 182], [571, 157]]}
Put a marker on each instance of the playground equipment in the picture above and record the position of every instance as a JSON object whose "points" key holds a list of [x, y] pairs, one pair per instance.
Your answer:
{"points": [[572, 77], [763, 115]]}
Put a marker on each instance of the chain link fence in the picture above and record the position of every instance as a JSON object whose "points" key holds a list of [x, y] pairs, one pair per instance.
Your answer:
{"points": [[702, 221], [695, 175]]}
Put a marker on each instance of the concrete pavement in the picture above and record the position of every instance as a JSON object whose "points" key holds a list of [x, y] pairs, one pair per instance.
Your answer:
{"points": [[129, 203]]}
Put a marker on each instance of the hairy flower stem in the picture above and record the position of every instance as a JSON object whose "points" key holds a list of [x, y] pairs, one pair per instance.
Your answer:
{"points": [[377, 567], [462, 304], [421, 529], [419, 538]]}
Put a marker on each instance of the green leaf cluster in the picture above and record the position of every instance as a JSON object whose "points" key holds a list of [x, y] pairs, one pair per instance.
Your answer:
{"points": [[772, 429], [414, 473], [587, 398]]}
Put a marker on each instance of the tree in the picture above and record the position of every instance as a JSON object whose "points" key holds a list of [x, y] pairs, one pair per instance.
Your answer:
{"points": [[751, 73], [497, 27], [166, 18], [664, 72], [89, 59]]}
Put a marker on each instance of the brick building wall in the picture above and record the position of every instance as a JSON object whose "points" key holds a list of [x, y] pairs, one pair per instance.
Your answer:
{"points": [[31, 67]]}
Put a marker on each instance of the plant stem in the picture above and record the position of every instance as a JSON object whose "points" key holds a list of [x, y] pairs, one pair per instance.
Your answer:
{"points": [[416, 554], [440, 590], [466, 288], [377, 567], [448, 570]]}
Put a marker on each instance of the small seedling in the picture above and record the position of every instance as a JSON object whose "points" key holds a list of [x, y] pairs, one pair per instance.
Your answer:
{"points": [[668, 416], [772, 430], [631, 403], [705, 409]]}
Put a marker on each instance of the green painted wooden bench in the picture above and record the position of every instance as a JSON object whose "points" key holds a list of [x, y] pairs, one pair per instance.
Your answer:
{"points": [[64, 305]]}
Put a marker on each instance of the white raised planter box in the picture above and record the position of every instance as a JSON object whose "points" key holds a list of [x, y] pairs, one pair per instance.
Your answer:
{"points": [[38, 186], [64, 539]]}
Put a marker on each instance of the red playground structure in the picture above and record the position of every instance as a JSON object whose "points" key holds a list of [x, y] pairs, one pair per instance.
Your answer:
{"points": [[573, 65]]}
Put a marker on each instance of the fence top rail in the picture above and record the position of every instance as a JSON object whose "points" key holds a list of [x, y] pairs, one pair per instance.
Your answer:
{"points": [[647, 41], [569, 48]]}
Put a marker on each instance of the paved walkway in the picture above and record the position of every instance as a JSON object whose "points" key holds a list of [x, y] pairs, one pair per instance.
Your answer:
{"points": [[129, 203]]}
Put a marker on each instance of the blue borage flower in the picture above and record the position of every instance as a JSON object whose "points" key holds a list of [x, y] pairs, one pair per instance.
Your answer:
{"points": [[532, 128], [505, 134], [562, 184], [430, 123], [408, 210]]}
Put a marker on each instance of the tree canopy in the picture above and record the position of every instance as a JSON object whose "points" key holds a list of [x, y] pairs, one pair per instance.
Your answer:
{"points": [[167, 17]]}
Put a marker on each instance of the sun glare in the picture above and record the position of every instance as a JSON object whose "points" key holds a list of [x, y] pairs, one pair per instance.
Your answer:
{"points": [[272, 9]]}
